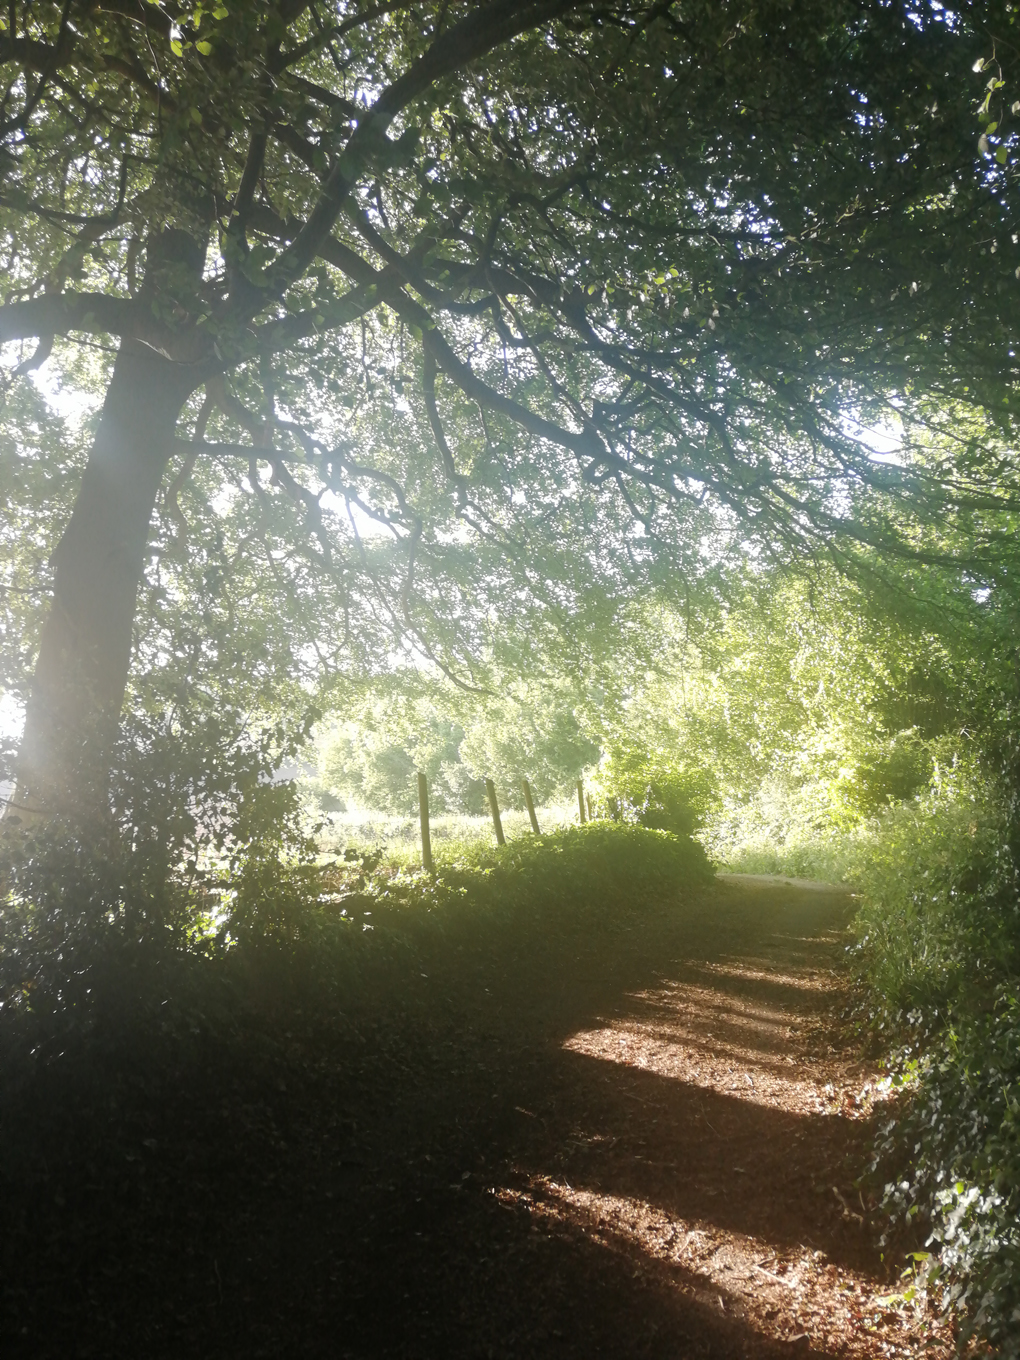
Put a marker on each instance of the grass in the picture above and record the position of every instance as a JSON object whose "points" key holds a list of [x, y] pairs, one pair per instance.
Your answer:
{"points": [[452, 833]]}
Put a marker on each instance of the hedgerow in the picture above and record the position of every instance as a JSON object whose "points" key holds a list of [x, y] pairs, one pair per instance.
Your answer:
{"points": [[938, 952], [97, 938]]}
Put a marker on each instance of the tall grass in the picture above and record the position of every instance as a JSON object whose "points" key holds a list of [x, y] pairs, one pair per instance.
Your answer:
{"points": [[452, 834], [786, 829]]}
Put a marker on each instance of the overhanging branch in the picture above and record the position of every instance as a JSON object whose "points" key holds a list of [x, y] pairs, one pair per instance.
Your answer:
{"points": [[480, 32], [59, 314]]}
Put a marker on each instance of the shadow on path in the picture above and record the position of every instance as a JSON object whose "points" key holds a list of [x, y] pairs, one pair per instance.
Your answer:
{"points": [[636, 1145]]}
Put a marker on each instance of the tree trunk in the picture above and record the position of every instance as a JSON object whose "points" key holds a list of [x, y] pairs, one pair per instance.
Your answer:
{"points": [[85, 650]]}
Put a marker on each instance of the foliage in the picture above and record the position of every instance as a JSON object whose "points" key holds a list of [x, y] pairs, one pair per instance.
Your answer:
{"points": [[553, 217], [935, 924], [961, 1122], [97, 934], [600, 866], [98, 912], [938, 952], [481, 318], [653, 790], [533, 889], [800, 692], [372, 758], [403, 724], [36, 492], [798, 711]]}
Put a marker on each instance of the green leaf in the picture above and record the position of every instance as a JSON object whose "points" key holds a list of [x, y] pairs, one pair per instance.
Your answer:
{"points": [[204, 47], [176, 47]]}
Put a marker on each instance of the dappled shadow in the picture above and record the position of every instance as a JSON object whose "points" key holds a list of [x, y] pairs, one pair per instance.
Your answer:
{"points": [[675, 1180], [637, 1144], [698, 1152]]}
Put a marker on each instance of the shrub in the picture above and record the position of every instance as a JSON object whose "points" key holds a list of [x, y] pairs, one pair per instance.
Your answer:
{"points": [[98, 908], [960, 1121], [938, 949], [598, 866], [935, 920], [582, 871], [654, 791]]}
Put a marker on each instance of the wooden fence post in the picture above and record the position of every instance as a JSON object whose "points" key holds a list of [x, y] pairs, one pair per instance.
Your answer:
{"points": [[490, 789], [423, 813], [580, 800], [529, 803]]}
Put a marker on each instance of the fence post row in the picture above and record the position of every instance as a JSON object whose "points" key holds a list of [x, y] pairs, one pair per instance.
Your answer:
{"points": [[423, 814], [490, 789]]}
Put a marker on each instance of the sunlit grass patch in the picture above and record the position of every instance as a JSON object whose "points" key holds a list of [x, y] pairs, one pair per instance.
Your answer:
{"points": [[400, 836]]}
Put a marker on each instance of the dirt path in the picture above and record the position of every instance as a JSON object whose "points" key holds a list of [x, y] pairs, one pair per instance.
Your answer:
{"points": [[637, 1145], [675, 1176], [718, 1126]]}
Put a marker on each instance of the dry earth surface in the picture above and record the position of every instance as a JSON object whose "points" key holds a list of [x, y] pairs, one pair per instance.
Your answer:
{"points": [[640, 1141]]}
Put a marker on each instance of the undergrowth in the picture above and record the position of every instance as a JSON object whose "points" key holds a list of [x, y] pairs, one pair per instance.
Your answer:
{"points": [[939, 951], [96, 944], [937, 954], [213, 1009]]}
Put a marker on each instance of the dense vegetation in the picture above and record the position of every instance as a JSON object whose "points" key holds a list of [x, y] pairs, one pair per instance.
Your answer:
{"points": [[814, 727], [545, 389]]}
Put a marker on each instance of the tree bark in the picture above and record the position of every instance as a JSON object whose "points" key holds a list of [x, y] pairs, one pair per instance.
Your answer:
{"points": [[85, 649]]}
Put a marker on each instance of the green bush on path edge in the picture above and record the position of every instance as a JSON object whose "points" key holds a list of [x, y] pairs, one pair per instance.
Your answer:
{"points": [[94, 941]]}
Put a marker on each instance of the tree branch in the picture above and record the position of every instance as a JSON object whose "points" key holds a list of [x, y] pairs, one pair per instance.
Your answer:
{"points": [[149, 16], [481, 31], [61, 313], [429, 393], [42, 352]]}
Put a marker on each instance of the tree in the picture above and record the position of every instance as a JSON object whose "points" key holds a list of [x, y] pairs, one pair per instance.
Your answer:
{"points": [[658, 254]]}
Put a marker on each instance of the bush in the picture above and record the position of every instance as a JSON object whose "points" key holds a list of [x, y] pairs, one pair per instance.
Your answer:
{"points": [[960, 1121], [600, 866], [935, 920], [96, 925], [654, 791], [938, 950], [580, 872], [87, 922], [194, 846]]}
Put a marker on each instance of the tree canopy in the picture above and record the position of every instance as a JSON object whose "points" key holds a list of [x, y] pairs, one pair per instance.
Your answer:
{"points": [[561, 295]]}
